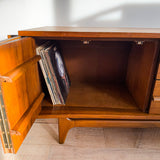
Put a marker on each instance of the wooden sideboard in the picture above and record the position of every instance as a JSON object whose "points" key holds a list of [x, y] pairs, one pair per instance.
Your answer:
{"points": [[115, 80]]}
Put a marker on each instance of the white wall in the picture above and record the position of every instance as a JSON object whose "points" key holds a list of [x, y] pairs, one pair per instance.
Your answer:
{"points": [[22, 14]]}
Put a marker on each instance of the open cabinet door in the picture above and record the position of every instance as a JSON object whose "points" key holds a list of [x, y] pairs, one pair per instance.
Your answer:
{"points": [[20, 91], [141, 71]]}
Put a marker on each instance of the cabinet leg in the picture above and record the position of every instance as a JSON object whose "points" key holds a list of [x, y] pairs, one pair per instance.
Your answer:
{"points": [[64, 125]]}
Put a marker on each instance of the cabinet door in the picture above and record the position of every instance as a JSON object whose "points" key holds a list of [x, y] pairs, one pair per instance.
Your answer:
{"points": [[20, 91], [155, 103], [141, 69]]}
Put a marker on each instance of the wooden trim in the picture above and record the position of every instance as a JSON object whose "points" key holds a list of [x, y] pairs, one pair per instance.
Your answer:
{"points": [[9, 40], [116, 123], [11, 36], [28, 117], [65, 124], [19, 70], [94, 32], [5, 79], [94, 112], [20, 130]]}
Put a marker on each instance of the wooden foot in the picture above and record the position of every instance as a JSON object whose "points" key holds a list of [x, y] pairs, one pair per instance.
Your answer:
{"points": [[64, 124]]}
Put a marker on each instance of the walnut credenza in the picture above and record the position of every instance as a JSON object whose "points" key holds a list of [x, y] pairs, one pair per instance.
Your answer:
{"points": [[115, 80]]}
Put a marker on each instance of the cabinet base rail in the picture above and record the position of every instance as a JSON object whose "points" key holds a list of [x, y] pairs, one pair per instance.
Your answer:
{"points": [[65, 124]]}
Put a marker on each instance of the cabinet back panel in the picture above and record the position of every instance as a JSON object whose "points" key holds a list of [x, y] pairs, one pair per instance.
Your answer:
{"points": [[98, 61]]}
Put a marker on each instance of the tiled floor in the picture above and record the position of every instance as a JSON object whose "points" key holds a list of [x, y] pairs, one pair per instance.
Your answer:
{"points": [[87, 144]]}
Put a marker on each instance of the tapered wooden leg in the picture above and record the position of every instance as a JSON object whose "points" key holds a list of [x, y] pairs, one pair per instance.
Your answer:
{"points": [[64, 124]]}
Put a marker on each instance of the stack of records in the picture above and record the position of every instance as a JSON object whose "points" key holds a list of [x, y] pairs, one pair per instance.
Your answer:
{"points": [[54, 72]]}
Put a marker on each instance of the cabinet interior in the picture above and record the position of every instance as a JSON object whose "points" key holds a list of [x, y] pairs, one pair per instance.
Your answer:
{"points": [[105, 75]]}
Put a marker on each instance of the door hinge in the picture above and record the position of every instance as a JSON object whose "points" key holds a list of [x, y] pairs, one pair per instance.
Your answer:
{"points": [[4, 127]]}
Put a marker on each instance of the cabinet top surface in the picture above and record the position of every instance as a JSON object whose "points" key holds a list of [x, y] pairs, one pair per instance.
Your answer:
{"points": [[94, 32]]}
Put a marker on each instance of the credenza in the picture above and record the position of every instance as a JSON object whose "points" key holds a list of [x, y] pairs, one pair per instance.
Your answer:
{"points": [[114, 73]]}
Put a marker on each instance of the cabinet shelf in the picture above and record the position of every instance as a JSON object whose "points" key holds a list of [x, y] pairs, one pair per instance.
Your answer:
{"points": [[91, 100], [97, 95]]}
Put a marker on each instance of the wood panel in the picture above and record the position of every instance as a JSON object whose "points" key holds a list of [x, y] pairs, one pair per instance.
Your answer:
{"points": [[88, 32], [141, 69], [20, 94], [155, 103], [19, 132], [13, 54], [97, 61]]}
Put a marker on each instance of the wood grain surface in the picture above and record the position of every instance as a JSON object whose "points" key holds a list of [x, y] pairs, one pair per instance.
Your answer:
{"points": [[77, 32], [21, 93], [140, 73]]}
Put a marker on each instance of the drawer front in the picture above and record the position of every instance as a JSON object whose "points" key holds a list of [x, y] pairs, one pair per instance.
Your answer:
{"points": [[156, 92], [158, 73], [155, 107], [155, 103]]}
